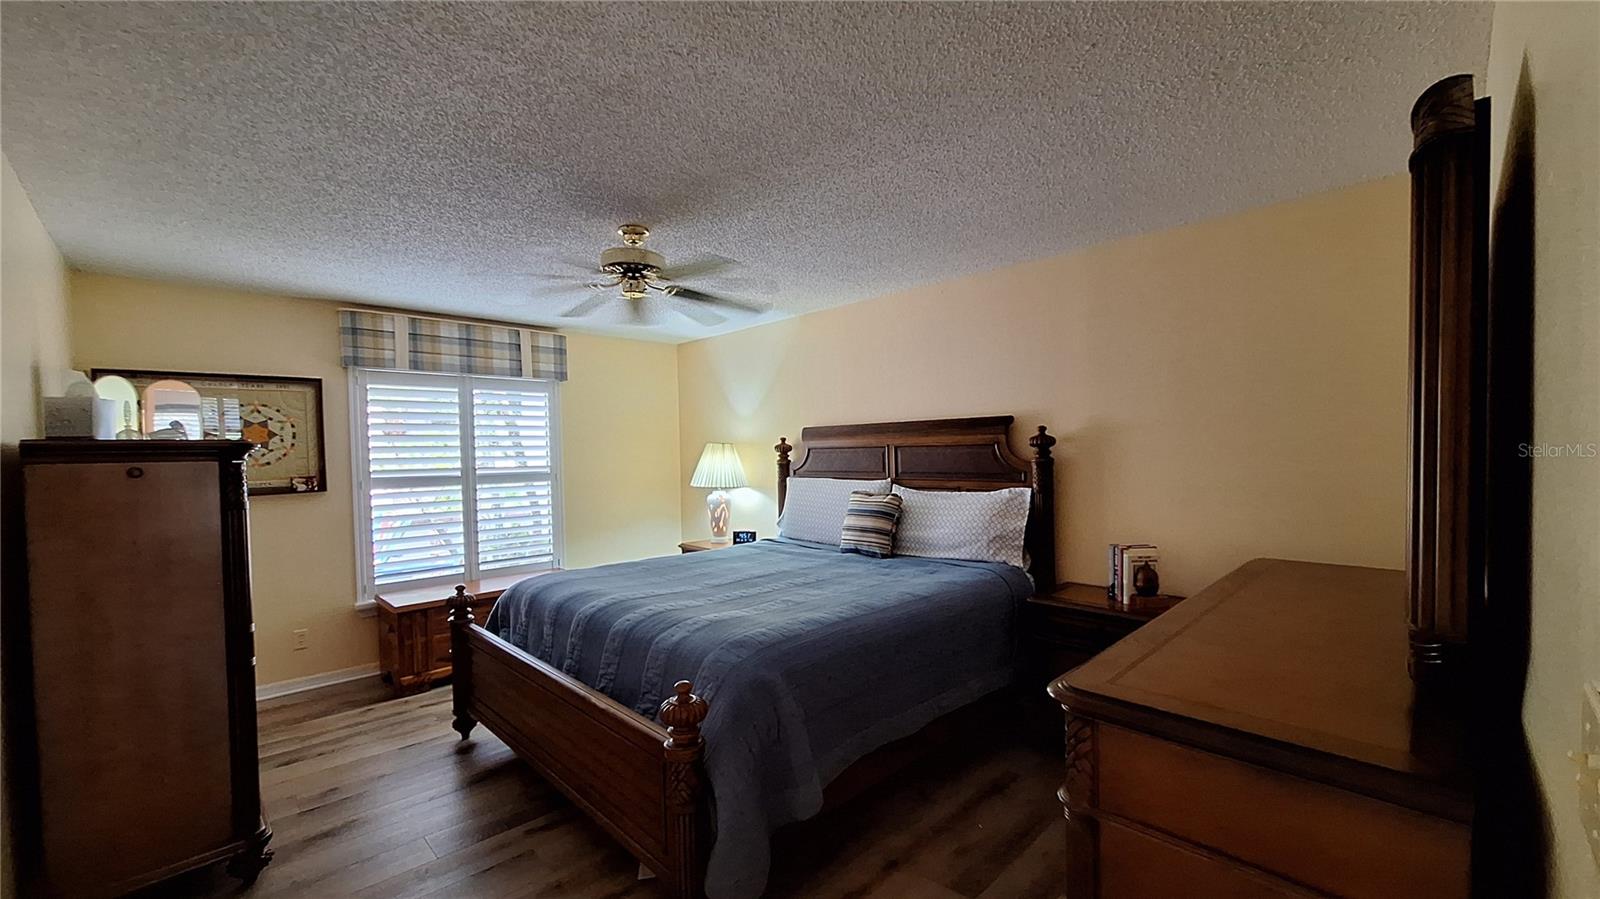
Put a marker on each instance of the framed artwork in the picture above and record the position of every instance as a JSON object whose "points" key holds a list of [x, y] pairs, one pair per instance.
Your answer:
{"points": [[281, 416]]}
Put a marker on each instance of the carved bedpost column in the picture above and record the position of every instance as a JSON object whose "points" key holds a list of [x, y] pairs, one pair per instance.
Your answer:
{"points": [[1043, 511], [783, 449], [1445, 527], [682, 713], [460, 607], [1077, 799]]}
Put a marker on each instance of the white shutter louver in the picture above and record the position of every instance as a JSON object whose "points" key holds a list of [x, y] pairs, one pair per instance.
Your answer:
{"points": [[414, 467], [515, 498]]}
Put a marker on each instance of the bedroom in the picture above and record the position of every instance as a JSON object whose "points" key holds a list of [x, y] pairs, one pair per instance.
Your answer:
{"points": [[1179, 236]]}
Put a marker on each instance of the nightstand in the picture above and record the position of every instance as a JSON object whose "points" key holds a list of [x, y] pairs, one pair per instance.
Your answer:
{"points": [[414, 629], [700, 546], [1066, 628]]}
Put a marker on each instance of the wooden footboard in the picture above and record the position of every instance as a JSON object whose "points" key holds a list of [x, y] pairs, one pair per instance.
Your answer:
{"points": [[640, 780]]}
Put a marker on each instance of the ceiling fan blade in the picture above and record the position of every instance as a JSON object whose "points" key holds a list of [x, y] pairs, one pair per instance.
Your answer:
{"points": [[555, 267], [553, 276], [699, 313], [562, 262], [587, 306], [571, 287], [559, 292], [700, 296], [560, 270], [698, 267]]}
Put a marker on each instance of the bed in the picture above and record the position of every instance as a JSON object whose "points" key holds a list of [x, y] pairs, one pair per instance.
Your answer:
{"points": [[774, 668]]}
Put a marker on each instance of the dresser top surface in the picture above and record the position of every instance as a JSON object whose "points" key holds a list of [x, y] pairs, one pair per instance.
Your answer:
{"points": [[84, 449], [1293, 656]]}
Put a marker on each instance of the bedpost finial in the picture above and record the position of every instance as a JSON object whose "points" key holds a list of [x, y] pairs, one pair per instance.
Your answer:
{"points": [[460, 605], [682, 713], [783, 449], [1041, 443]]}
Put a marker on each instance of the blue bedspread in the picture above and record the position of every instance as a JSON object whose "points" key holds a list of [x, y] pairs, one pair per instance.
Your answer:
{"points": [[810, 658]]}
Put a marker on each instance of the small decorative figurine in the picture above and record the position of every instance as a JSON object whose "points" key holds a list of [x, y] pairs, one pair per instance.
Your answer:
{"points": [[173, 431], [1146, 582]]}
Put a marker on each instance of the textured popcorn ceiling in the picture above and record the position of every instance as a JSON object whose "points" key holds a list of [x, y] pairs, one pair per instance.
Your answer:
{"points": [[424, 155]]}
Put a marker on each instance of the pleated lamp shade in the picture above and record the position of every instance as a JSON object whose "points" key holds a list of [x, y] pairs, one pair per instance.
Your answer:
{"points": [[719, 468]]}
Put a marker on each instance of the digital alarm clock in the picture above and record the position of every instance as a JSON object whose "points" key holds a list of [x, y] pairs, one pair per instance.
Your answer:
{"points": [[744, 536]]}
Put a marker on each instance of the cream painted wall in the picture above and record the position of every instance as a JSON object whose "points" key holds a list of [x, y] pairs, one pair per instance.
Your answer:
{"points": [[1230, 389], [34, 357], [33, 363], [619, 450], [1558, 95], [619, 447]]}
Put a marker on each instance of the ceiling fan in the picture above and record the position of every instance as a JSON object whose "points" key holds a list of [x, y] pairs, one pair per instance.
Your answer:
{"points": [[633, 272]]}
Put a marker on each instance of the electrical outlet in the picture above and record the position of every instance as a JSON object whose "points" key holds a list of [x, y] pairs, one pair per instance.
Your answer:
{"points": [[299, 639], [1588, 759]]}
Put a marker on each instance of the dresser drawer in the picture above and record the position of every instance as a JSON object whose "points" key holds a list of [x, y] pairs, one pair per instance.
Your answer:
{"points": [[1066, 627], [1301, 830], [1138, 865]]}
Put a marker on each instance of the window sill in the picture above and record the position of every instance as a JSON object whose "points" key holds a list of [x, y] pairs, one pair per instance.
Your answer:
{"points": [[367, 608]]}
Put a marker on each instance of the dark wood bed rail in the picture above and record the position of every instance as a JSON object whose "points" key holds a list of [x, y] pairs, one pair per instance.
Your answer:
{"points": [[938, 454]]}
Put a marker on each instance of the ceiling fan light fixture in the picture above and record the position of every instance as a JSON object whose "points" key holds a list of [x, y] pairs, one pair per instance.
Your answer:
{"points": [[635, 288], [634, 271]]}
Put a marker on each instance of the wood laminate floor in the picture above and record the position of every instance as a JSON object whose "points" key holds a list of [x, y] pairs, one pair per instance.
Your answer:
{"points": [[376, 797]]}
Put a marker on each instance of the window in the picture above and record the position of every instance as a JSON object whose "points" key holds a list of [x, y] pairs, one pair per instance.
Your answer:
{"points": [[455, 478]]}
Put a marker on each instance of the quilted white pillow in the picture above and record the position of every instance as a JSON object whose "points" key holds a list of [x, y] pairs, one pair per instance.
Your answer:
{"points": [[976, 525], [813, 508]]}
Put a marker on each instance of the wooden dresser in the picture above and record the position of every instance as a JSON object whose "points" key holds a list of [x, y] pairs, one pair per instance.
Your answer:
{"points": [[141, 760], [1260, 739]]}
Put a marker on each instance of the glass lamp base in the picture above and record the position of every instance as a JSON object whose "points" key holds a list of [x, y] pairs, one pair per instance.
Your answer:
{"points": [[717, 504]]}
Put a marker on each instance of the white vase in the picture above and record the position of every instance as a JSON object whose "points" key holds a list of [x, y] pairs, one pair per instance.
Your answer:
{"points": [[717, 505]]}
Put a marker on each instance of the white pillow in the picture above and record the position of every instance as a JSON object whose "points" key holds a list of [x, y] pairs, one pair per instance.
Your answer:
{"points": [[973, 525], [813, 508]]}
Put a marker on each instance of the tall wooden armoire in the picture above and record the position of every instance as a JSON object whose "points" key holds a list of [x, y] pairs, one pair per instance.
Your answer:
{"points": [[141, 762]]}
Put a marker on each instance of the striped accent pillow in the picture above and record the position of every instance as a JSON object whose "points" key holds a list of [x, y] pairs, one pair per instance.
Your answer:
{"points": [[869, 523]]}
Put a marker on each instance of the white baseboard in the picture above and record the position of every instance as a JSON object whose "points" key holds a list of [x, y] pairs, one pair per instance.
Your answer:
{"points": [[312, 682]]}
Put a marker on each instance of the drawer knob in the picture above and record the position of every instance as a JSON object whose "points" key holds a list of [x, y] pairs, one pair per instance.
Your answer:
{"points": [[135, 472]]}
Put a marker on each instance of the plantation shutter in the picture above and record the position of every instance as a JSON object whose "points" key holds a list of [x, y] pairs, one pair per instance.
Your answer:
{"points": [[414, 462], [513, 472], [458, 477]]}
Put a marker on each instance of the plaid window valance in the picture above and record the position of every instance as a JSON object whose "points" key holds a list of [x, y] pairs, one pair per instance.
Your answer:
{"points": [[412, 343]]}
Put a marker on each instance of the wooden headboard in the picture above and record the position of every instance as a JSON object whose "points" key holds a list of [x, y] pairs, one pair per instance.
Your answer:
{"points": [[942, 454]]}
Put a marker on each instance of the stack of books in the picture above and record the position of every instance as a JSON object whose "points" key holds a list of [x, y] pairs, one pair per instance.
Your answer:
{"points": [[1124, 558]]}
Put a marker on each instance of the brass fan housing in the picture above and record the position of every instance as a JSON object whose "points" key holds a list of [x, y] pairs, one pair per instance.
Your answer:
{"points": [[632, 262]]}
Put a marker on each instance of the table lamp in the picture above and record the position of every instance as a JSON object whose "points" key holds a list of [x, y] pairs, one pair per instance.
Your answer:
{"points": [[720, 470]]}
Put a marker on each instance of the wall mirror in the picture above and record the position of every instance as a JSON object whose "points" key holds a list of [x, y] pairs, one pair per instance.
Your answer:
{"points": [[121, 391], [172, 411]]}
